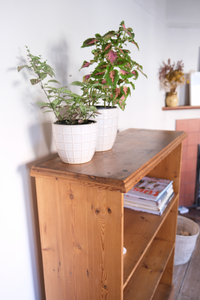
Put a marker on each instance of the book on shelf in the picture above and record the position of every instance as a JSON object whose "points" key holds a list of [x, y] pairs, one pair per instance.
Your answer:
{"points": [[147, 205], [149, 209], [157, 203], [150, 188], [150, 195]]}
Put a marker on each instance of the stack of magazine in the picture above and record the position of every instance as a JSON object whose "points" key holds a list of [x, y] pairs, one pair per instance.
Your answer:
{"points": [[151, 195]]}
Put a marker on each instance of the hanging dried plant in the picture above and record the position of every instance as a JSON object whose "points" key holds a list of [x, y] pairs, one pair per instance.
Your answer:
{"points": [[171, 76]]}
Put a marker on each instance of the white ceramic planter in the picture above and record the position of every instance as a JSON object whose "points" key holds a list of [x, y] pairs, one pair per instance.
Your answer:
{"points": [[107, 128], [75, 143]]}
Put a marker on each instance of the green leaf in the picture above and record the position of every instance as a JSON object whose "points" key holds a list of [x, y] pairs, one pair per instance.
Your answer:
{"points": [[53, 80], [43, 76], [22, 67], [101, 67], [109, 34], [125, 74], [136, 74], [89, 42], [133, 86], [120, 62], [112, 77], [35, 81], [78, 83], [41, 103]]}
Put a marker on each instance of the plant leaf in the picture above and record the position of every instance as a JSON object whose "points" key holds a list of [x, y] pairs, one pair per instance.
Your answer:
{"points": [[85, 64], [86, 77], [112, 77], [53, 80], [101, 67], [89, 42], [109, 34], [125, 74], [120, 62], [43, 104], [21, 67], [111, 56], [98, 74], [35, 81]]}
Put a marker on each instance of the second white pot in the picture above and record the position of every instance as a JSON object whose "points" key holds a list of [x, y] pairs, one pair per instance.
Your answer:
{"points": [[107, 122]]}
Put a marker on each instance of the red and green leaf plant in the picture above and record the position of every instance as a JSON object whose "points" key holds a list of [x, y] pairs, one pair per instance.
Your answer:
{"points": [[115, 71], [68, 107]]}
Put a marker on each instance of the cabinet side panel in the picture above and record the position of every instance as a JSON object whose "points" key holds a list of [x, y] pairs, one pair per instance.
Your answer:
{"points": [[49, 222], [84, 226]]}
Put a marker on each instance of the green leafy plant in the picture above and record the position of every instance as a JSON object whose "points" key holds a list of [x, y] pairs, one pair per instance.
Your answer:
{"points": [[115, 68], [68, 107]]}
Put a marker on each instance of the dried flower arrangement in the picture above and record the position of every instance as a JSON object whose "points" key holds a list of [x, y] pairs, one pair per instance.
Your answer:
{"points": [[171, 76]]}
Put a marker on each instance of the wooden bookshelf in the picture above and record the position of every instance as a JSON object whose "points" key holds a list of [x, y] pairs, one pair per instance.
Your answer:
{"points": [[84, 226]]}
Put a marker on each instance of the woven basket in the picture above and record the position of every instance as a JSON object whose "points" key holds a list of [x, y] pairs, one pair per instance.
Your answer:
{"points": [[185, 244]]}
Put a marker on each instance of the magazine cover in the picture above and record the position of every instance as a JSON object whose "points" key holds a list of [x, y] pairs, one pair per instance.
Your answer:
{"points": [[150, 188]]}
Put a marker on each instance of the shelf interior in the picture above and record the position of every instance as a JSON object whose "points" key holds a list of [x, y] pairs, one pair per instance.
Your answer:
{"points": [[140, 230], [145, 279], [163, 292]]}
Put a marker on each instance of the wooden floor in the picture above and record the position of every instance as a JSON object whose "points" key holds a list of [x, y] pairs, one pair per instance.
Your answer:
{"points": [[187, 277]]}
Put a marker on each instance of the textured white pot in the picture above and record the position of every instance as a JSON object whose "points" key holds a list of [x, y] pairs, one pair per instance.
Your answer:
{"points": [[75, 143], [107, 122]]}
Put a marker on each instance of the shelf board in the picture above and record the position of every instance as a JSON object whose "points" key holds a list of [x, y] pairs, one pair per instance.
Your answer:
{"points": [[164, 292], [145, 279], [181, 107], [139, 231]]}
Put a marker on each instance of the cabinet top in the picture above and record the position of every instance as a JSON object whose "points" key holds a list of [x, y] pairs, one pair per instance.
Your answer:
{"points": [[134, 154]]}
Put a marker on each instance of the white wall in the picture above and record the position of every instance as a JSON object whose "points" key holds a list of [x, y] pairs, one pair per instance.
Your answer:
{"points": [[56, 29]]}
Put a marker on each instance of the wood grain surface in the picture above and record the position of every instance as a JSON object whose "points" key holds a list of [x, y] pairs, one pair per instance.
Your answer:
{"points": [[82, 254], [135, 153], [84, 226]]}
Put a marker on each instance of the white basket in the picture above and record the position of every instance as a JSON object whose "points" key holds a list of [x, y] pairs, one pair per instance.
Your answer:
{"points": [[185, 244]]}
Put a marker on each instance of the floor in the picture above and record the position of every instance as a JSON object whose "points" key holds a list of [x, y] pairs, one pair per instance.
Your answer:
{"points": [[187, 277]]}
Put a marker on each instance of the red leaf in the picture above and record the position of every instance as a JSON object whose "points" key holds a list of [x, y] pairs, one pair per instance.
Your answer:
{"points": [[86, 77], [111, 56], [117, 92], [125, 89], [85, 64], [103, 81], [123, 72], [112, 76], [107, 47]]}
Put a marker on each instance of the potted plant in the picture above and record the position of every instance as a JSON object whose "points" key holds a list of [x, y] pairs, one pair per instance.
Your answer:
{"points": [[115, 72], [171, 77], [74, 133]]}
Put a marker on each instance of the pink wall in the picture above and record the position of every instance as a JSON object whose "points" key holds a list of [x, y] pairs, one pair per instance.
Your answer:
{"points": [[189, 159]]}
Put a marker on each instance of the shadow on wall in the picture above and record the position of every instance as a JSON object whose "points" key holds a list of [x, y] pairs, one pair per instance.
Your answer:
{"points": [[33, 225], [59, 57], [41, 138]]}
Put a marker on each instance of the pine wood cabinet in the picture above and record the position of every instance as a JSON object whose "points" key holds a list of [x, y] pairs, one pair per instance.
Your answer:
{"points": [[83, 224]]}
